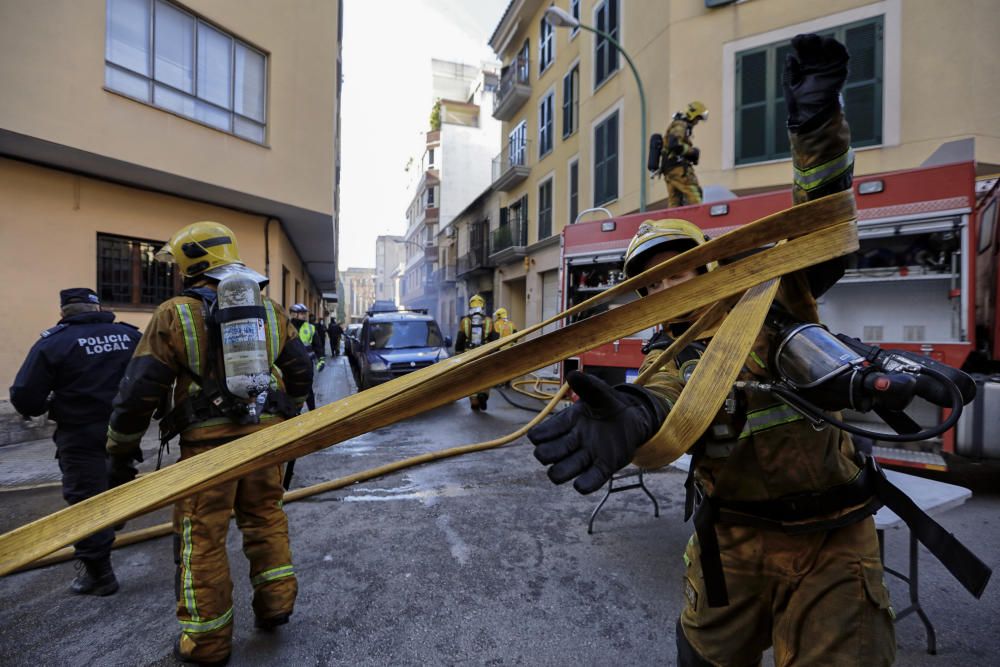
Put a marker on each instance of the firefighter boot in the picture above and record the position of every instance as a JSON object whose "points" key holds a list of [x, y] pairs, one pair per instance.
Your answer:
{"points": [[482, 401], [94, 577], [182, 652], [474, 402]]}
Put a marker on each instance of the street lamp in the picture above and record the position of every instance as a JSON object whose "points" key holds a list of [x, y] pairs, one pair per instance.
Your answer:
{"points": [[560, 18]]}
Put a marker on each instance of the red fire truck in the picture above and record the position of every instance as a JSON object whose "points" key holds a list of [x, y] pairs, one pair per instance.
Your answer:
{"points": [[925, 279]]}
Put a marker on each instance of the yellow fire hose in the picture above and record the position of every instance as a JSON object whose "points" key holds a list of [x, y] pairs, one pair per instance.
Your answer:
{"points": [[817, 231], [160, 530]]}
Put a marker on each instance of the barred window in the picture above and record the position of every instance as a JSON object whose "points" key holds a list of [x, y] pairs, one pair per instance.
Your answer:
{"points": [[128, 274]]}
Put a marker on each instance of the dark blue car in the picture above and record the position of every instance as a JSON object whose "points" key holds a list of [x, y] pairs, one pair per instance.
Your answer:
{"points": [[396, 343]]}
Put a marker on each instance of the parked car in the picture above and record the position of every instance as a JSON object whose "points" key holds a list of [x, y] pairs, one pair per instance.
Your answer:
{"points": [[397, 342]]}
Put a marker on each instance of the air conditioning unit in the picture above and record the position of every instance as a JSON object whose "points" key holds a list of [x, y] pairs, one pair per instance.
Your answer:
{"points": [[450, 232]]}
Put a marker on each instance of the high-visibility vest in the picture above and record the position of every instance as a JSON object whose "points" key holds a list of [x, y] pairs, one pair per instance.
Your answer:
{"points": [[504, 327]]}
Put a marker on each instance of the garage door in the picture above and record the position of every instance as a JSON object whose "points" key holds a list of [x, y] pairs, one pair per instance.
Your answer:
{"points": [[550, 308]]}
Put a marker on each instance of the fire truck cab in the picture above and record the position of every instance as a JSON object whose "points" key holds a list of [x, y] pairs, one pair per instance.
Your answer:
{"points": [[925, 279]]}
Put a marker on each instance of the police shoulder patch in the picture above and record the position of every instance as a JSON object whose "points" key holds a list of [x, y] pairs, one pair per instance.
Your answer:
{"points": [[52, 330]]}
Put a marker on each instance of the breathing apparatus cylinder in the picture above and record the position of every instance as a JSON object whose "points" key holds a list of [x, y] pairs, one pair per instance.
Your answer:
{"points": [[241, 319]]}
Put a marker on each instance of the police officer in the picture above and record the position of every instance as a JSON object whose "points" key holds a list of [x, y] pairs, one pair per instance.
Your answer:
{"points": [[475, 329], [765, 567], [80, 362], [307, 334], [680, 155], [181, 356]]}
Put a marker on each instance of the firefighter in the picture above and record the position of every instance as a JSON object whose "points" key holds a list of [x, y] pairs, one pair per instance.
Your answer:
{"points": [[307, 334], [475, 329], [80, 362], [803, 577], [679, 156], [501, 324], [179, 361]]}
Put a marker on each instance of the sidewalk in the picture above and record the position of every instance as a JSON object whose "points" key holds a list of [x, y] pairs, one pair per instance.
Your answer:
{"points": [[28, 464]]}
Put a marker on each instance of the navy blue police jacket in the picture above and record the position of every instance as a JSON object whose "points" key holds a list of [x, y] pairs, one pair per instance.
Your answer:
{"points": [[80, 362]]}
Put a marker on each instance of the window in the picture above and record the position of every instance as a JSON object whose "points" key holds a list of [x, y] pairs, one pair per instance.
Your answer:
{"points": [[545, 124], [517, 143], [430, 158], [574, 190], [574, 9], [546, 45], [430, 197], [761, 111], [545, 209], [606, 160], [605, 54], [128, 274], [571, 101], [162, 55]]}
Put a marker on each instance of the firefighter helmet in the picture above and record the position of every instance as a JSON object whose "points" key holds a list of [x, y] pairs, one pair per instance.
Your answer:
{"points": [[201, 247], [476, 301], [655, 236], [696, 111], [500, 314]]}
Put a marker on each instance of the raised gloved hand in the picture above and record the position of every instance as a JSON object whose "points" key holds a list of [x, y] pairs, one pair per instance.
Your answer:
{"points": [[121, 470], [597, 435], [815, 72]]}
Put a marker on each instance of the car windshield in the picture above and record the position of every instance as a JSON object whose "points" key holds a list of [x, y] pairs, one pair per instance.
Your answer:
{"points": [[402, 334]]}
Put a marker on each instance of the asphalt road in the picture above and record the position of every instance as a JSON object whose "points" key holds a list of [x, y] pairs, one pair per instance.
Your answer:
{"points": [[477, 560]]}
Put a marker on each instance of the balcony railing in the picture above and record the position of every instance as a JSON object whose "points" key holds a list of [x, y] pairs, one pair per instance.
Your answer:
{"points": [[443, 276], [509, 241], [513, 90], [510, 167], [475, 259]]}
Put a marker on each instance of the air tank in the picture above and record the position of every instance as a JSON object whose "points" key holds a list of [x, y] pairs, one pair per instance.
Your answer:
{"points": [[244, 339]]}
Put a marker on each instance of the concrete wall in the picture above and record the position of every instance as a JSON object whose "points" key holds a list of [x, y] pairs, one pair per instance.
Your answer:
{"points": [[52, 75], [48, 241]]}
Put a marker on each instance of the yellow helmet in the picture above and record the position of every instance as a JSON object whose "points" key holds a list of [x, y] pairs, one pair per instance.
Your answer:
{"points": [[696, 111], [500, 314], [476, 301], [655, 236], [201, 247]]}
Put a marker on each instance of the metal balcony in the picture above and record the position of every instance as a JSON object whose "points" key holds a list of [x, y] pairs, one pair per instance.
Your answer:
{"points": [[510, 166], [514, 90], [509, 241]]}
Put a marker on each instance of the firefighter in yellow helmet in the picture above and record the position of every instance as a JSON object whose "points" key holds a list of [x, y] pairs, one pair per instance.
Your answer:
{"points": [[763, 568], [182, 360], [678, 156], [475, 329], [502, 324]]}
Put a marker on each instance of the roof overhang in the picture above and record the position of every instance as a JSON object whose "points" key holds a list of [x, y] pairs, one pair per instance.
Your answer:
{"points": [[511, 22], [311, 232]]}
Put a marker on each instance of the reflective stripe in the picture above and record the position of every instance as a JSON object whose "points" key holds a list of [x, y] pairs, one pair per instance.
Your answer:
{"points": [[124, 437], [187, 584], [280, 572], [190, 337], [758, 360], [208, 626], [814, 177], [761, 420], [272, 328]]}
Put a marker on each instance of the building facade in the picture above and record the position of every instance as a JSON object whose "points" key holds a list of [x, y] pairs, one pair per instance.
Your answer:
{"points": [[389, 257], [454, 167], [358, 286], [141, 116], [572, 133]]}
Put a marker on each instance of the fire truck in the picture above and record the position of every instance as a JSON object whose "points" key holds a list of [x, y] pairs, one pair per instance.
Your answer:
{"points": [[925, 279]]}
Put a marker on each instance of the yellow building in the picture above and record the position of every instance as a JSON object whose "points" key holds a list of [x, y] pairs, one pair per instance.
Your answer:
{"points": [[123, 120], [922, 73]]}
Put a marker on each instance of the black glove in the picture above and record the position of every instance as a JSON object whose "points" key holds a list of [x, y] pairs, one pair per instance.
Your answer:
{"points": [[598, 435], [121, 471], [815, 72]]}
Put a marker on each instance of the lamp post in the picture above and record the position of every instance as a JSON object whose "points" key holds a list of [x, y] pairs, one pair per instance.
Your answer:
{"points": [[560, 18]]}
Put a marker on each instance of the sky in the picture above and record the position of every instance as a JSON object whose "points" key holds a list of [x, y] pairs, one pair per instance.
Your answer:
{"points": [[386, 102]]}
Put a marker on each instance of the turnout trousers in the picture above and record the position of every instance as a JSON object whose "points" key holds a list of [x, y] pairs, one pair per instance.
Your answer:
{"points": [[682, 186], [84, 465], [818, 598], [203, 585]]}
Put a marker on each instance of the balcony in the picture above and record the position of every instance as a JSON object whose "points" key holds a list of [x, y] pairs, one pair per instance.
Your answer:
{"points": [[509, 242], [510, 166], [443, 276], [431, 216], [473, 261], [430, 251], [514, 90]]}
